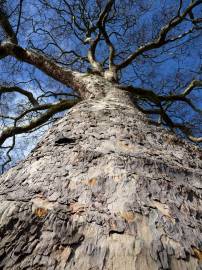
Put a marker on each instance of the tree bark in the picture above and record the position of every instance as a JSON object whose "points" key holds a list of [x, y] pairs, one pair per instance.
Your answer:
{"points": [[103, 190]]}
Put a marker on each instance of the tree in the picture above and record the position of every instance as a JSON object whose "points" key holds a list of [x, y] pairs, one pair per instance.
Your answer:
{"points": [[107, 187]]}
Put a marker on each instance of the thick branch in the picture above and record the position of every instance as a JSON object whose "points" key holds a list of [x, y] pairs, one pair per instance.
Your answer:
{"points": [[101, 26], [5, 24], [45, 64], [153, 97], [93, 43], [43, 118], [91, 55]]}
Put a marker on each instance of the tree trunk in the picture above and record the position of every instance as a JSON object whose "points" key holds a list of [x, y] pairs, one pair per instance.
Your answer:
{"points": [[103, 190]]}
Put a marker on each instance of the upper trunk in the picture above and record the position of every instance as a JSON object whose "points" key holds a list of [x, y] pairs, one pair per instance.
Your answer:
{"points": [[103, 190]]}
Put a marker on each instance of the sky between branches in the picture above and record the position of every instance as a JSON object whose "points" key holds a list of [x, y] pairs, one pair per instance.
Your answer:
{"points": [[45, 26]]}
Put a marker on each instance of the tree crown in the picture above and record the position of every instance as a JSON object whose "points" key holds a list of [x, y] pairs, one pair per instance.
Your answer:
{"points": [[148, 48]]}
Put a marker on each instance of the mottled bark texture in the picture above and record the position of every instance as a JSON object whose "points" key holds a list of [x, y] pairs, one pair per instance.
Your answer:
{"points": [[103, 190]]}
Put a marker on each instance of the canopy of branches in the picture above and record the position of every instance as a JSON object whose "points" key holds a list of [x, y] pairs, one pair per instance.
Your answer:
{"points": [[150, 48]]}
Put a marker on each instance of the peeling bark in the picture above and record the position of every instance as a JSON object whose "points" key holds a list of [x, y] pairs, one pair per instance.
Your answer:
{"points": [[103, 190]]}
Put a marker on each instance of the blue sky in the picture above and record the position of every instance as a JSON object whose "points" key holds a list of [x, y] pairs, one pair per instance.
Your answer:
{"points": [[171, 67]]}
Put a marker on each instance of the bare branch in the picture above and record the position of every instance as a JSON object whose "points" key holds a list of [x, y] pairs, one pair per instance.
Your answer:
{"points": [[91, 54], [168, 122], [54, 108], [194, 139], [152, 96], [161, 39], [45, 64], [10, 148], [19, 17], [29, 95], [93, 43], [101, 24], [191, 86], [5, 24]]}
